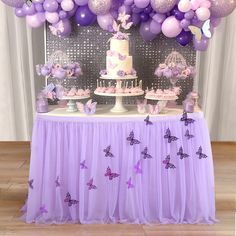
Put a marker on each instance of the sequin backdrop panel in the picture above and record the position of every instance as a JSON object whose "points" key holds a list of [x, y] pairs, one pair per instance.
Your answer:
{"points": [[88, 45]]}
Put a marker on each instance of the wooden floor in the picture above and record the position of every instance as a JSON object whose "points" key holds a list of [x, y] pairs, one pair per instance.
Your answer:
{"points": [[14, 167]]}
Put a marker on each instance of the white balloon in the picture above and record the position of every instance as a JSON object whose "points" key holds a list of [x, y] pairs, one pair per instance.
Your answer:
{"points": [[67, 5], [203, 13], [52, 17], [184, 5]]}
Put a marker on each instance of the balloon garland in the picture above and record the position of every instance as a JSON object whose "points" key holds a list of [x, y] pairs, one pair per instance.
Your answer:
{"points": [[186, 20]]}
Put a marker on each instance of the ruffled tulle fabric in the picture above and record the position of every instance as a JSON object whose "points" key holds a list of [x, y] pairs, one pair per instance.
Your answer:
{"points": [[62, 146]]}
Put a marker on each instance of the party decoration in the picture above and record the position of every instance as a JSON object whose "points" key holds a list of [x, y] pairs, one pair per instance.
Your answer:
{"points": [[222, 8], [84, 16], [199, 32], [163, 6], [171, 27], [14, 3], [99, 7]]}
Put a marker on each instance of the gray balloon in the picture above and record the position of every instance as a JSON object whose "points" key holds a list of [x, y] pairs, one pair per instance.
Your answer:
{"points": [[14, 3], [163, 6], [99, 7], [222, 8]]}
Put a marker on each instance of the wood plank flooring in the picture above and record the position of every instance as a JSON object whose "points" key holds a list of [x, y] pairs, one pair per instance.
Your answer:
{"points": [[14, 167]]}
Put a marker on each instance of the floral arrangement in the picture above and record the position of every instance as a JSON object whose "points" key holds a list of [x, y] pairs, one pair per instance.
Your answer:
{"points": [[59, 71]]}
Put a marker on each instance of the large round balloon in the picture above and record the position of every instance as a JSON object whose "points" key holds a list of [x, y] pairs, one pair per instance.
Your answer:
{"points": [[201, 45], [141, 3], [66, 28], [34, 21], [171, 27], [99, 7], [84, 16], [184, 38], [105, 21], [163, 6], [14, 3], [222, 8], [81, 2], [145, 31]]}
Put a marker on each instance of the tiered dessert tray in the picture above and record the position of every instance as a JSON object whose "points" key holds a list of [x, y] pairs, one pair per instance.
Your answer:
{"points": [[72, 106]]}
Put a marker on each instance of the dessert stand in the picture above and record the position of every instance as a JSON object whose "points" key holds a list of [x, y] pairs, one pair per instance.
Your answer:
{"points": [[72, 106], [119, 106]]}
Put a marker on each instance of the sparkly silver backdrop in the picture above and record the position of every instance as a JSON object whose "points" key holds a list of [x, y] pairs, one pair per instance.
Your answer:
{"points": [[88, 45]]}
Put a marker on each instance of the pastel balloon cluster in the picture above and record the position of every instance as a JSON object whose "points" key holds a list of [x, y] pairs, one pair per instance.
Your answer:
{"points": [[180, 19]]}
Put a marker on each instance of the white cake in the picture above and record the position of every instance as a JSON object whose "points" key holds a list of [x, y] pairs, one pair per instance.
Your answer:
{"points": [[118, 60]]}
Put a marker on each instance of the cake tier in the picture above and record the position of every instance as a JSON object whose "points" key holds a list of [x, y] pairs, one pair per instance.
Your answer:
{"points": [[115, 66], [120, 46]]}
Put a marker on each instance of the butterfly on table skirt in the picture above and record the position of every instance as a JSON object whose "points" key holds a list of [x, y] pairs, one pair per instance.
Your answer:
{"points": [[89, 108], [129, 183], [181, 153], [138, 168], [167, 163], [169, 137], [145, 154], [57, 182], [107, 151], [43, 210], [91, 185], [110, 174], [30, 183], [83, 165], [188, 135], [200, 154], [147, 120], [69, 200], [187, 121], [132, 140]]}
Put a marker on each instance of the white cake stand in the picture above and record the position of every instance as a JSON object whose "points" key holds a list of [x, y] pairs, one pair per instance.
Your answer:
{"points": [[72, 107], [119, 106]]}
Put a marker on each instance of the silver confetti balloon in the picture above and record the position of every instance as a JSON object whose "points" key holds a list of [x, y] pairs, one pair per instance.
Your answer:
{"points": [[222, 8], [14, 3], [99, 7], [163, 6]]}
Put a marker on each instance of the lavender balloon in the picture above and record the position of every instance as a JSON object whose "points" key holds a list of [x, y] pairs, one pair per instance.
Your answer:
{"points": [[105, 21], [81, 2], [84, 16], [19, 12], [50, 5], [99, 7], [163, 6], [222, 8], [159, 18], [141, 3], [201, 45], [145, 31], [14, 3], [171, 27], [34, 21], [155, 27]]}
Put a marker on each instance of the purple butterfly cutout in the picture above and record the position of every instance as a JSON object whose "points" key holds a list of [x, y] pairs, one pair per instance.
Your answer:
{"points": [[43, 210], [147, 120], [57, 182], [168, 164], [110, 174], [188, 135], [200, 154], [69, 200], [169, 137], [137, 168], [132, 140], [182, 154], [187, 120], [82, 165], [129, 183], [30, 183], [91, 185], [108, 152], [145, 153], [122, 57]]}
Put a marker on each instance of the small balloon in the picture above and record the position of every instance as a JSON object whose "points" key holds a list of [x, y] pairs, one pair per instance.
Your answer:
{"points": [[19, 12], [67, 5], [184, 38], [50, 5], [145, 31], [155, 27], [201, 45], [34, 20], [203, 13], [52, 17], [81, 2], [105, 21], [141, 3]]}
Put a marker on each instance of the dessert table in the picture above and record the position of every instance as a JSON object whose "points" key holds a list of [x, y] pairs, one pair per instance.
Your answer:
{"points": [[120, 168]]}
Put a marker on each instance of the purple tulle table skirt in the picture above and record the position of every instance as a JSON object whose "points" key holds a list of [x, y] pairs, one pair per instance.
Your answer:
{"points": [[120, 170]]}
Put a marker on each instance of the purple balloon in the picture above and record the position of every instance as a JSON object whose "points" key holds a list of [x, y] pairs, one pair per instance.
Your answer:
{"points": [[84, 16], [189, 15], [171, 27], [62, 14], [141, 3], [105, 21], [135, 9], [125, 9], [201, 45], [14, 3], [145, 32], [148, 9], [222, 8], [50, 5], [72, 12], [185, 23], [81, 2], [19, 12], [67, 28], [179, 15], [184, 38], [215, 21], [39, 7], [159, 18], [135, 19], [29, 10], [155, 27], [34, 21], [144, 17], [128, 2]]}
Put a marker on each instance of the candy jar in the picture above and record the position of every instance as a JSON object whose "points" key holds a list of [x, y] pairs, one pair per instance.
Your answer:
{"points": [[42, 103]]}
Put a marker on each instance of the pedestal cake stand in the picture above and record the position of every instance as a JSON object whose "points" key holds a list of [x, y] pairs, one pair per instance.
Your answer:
{"points": [[119, 106], [72, 107]]}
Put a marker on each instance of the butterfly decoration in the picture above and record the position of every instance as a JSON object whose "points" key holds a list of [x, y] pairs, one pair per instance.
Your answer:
{"points": [[123, 17], [58, 29], [199, 32], [111, 65], [89, 108], [43, 210], [168, 164], [57, 182], [169, 137], [187, 120], [30, 183], [108, 152], [132, 140], [83, 165], [121, 57], [137, 168], [110, 174], [154, 109], [126, 25], [129, 183], [141, 106], [29, 3], [91, 185], [145, 154], [147, 120], [115, 26], [182, 154], [69, 200], [188, 135], [200, 154]]}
